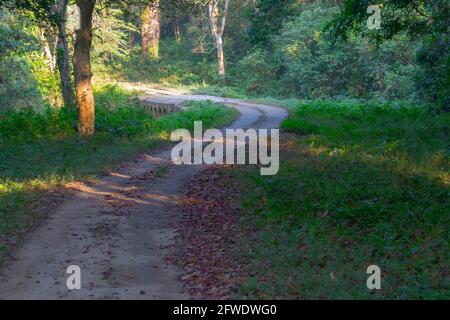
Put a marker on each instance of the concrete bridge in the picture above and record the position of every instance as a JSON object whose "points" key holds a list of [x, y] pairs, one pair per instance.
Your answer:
{"points": [[159, 106]]}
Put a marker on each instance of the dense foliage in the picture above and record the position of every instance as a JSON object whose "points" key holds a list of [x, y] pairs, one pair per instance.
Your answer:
{"points": [[307, 49], [305, 53], [18, 84]]}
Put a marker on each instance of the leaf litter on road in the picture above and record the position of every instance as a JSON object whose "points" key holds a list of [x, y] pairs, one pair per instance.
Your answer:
{"points": [[206, 236]]}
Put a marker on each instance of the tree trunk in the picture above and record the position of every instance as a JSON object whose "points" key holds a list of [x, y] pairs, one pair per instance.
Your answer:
{"points": [[151, 30], [47, 38], [220, 55], [177, 28], [130, 39], [62, 55], [82, 69], [217, 30]]}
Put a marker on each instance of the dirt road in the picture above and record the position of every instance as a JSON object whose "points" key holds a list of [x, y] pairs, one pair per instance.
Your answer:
{"points": [[117, 230]]}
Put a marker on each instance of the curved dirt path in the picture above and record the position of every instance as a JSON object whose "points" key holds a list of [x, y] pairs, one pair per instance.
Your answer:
{"points": [[119, 229]]}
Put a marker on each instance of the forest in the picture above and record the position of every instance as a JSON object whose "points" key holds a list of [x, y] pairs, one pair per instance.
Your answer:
{"points": [[364, 175]]}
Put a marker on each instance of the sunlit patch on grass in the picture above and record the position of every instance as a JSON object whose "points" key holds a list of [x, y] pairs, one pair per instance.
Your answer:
{"points": [[364, 186]]}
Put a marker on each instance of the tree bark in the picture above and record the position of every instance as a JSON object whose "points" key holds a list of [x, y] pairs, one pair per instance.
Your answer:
{"points": [[177, 27], [151, 29], [130, 39], [217, 29], [220, 55], [62, 55], [82, 69], [47, 39]]}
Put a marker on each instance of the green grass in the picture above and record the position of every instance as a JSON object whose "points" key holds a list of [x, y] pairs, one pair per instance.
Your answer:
{"points": [[41, 151], [359, 184]]}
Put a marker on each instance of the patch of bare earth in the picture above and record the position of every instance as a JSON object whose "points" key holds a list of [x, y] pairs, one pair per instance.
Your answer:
{"points": [[39, 211]]}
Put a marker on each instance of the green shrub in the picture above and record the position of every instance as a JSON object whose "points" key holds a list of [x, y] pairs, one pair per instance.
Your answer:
{"points": [[18, 86], [434, 76]]}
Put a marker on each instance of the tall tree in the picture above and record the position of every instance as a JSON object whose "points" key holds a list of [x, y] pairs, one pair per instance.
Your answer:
{"points": [[62, 53], [48, 41], [177, 26], [218, 21], [151, 29], [82, 68]]}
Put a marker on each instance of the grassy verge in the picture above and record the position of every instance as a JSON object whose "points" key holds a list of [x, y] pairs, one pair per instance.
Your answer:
{"points": [[41, 151], [359, 184]]}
